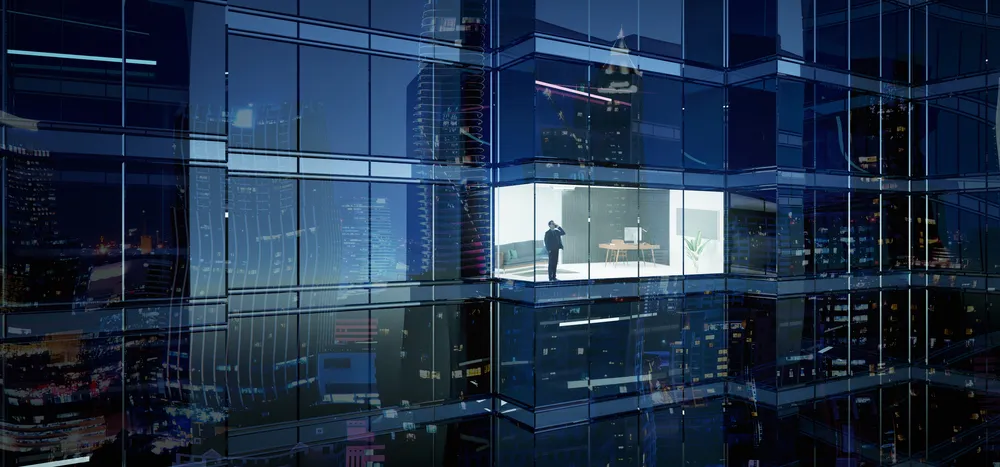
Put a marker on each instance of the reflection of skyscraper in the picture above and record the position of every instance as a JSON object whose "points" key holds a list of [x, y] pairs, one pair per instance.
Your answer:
{"points": [[616, 84]]}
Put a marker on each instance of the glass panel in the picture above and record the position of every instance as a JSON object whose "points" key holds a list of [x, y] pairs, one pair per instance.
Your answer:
{"points": [[401, 231], [659, 233], [617, 246], [263, 232], [794, 257], [615, 106], [562, 116], [353, 13], [796, 342], [562, 356], [614, 22], [337, 362], [176, 76], [262, 351], [516, 346], [831, 34], [289, 8], [156, 245], [895, 42], [516, 98], [865, 232], [704, 141], [335, 232], [160, 414], [793, 133], [519, 249], [795, 28], [563, 18], [207, 228], [657, 135], [263, 94], [661, 27], [865, 43], [703, 32], [752, 227], [826, 229], [404, 17], [753, 30], [90, 370], [752, 139], [60, 248], [828, 112], [397, 81], [333, 86], [64, 61], [564, 249], [896, 223]]}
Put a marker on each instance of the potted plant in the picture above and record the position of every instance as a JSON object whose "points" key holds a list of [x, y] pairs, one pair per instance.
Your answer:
{"points": [[694, 247]]}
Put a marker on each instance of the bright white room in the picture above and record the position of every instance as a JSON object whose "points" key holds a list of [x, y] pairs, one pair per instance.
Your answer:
{"points": [[607, 232]]}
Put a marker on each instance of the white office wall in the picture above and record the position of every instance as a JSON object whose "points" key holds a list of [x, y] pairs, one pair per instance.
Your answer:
{"points": [[523, 212], [713, 257], [548, 206]]}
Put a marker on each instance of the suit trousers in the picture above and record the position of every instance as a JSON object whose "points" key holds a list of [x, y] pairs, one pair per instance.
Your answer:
{"points": [[553, 262]]}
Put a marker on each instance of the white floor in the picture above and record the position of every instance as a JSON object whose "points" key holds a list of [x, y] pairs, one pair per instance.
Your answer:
{"points": [[601, 270]]}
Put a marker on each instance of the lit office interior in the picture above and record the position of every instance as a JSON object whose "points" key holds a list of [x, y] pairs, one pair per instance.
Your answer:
{"points": [[610, 232]]}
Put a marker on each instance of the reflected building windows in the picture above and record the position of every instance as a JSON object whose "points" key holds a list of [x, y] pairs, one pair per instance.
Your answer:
{"points": [[263, 94], [263, 232]]}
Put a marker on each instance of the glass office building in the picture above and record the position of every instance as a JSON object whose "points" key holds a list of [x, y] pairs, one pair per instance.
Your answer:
{"points": [[316, 232]]}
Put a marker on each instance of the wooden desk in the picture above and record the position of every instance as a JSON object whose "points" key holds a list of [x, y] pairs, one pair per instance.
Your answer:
{"points": [[623, 248]]}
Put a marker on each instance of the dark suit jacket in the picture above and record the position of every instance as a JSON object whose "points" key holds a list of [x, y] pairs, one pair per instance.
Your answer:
{"points": [[553, 239]]}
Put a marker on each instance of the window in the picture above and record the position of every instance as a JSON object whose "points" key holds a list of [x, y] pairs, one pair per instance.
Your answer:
{"points": [[262, 94], [397, 108], [334, 248], [334, 93], [263, 232], [353, 12]]}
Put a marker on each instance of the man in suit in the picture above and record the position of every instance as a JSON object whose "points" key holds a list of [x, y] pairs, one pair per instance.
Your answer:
{"points": [[553, 243]]}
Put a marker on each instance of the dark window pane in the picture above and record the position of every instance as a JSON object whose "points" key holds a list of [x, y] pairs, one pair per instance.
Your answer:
{"points": [[895, 45], [335, 235], [703, 37], [795, 28], [460, 123], [516, 19], [401, 226], [865, 44], [615, 100], [63, 248], [262, 351], [404, 16], [353, 12], [791, 128], [828, 109], [262, 94], [752, 139], [516, 98], [563, 18], [338, 362], [753, 30], [660, 27], [660, 122], [703, 126], [865, 120], [64, 61], [157, 210], [278, 6], [262, 232], [177, 79], [611, 18], [562, 103], [463, 23], [334, 92], [394, 108], [208, 228]]}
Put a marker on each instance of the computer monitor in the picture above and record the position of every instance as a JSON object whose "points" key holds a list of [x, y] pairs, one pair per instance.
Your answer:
{"points": [[633, 235]]}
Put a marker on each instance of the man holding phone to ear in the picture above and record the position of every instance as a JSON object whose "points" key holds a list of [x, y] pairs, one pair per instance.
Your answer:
{"points": [[553, 243]]}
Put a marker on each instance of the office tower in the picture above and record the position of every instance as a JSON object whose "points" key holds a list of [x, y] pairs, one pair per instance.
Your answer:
{"points": [[311, 232]]}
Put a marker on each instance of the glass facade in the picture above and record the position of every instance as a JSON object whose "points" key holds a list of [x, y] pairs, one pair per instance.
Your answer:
{"points": [[500, 232]]}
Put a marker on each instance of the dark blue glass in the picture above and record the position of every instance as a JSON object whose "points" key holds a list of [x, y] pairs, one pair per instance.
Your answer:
{"points": [[175, 76], [826, 230], [753, 30], [795, 342], [562, 18], [397, 111], [263, 225], [865, 232], [704, 142], [263, 94], [561, 355], [895, 230], [63, 248], [402, 226], [64, 61], [333, 88], [515, 20], [207, 224], [658, 137], [795, 29], [866, 115], [752, 225], [828, 117], [517, 97], [610, 19], [896, 56], [338, 362], [661, 27], [354, 12], [831, 34], [950, 133], [865, 43], [262, 351], [562, 110], [955, 48], [276, 6], [752, 139], [793, 133], [703, 32], [404, 17], [334, 246]]}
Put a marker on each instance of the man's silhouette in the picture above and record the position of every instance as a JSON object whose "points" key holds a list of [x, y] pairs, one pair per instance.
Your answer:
{"points": [[553, 243]]}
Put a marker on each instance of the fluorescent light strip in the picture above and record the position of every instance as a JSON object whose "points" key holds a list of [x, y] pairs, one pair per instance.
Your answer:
{"points": [[603, 320], [571, 91], [825, 349], [73, 461], [90, 58]]}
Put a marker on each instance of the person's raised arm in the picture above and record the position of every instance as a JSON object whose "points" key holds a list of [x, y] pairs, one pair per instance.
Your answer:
{"points": [[561, 231]]}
